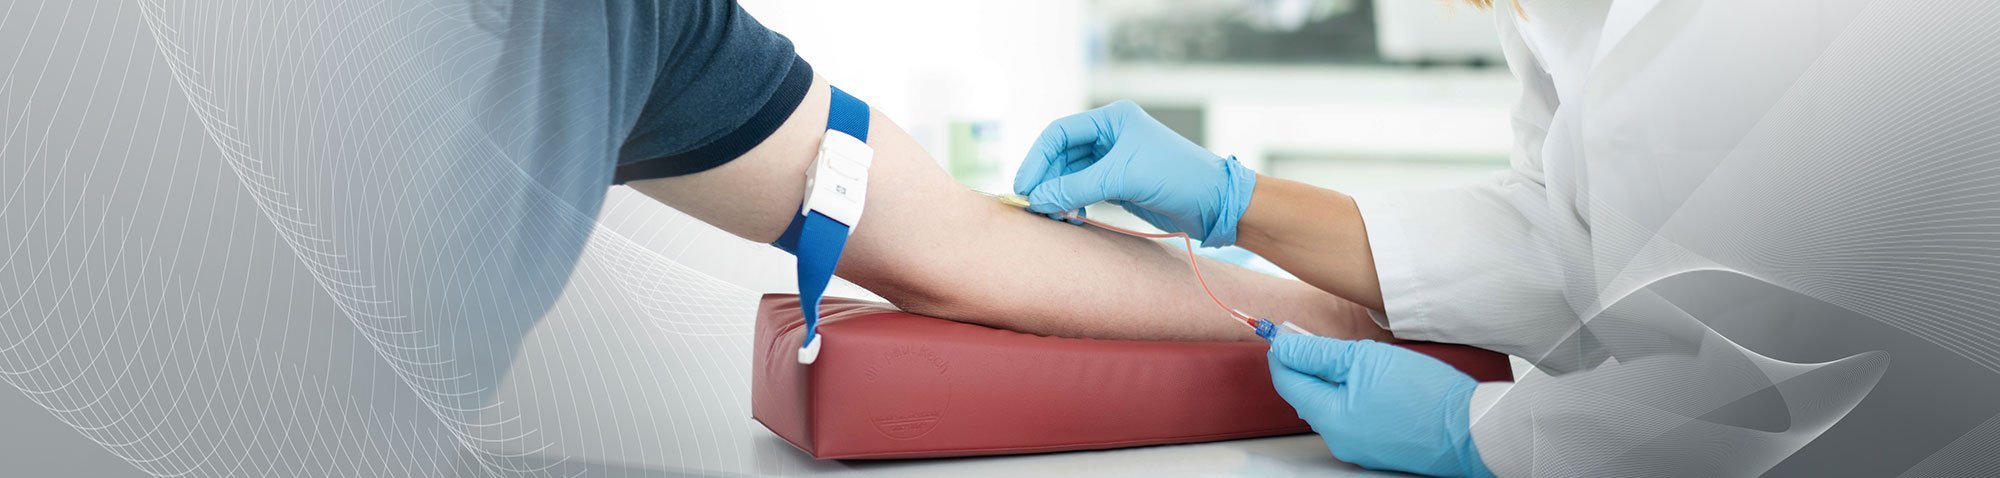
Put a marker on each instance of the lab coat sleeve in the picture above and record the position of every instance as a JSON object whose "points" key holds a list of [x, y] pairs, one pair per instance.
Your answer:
{"points": [[1482, 263]]}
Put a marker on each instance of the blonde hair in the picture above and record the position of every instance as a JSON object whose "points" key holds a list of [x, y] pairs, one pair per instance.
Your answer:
{"points": [[1488, 5]]}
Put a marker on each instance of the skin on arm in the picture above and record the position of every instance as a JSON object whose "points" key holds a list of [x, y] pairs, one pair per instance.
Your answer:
{"points": [[1314, 233], [934, 247]]}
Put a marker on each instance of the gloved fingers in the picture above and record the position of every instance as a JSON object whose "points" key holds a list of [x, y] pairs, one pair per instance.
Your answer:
{"points": [[1290, 383], [1327, 358], [1078, 159], [1067, 140], [1074, 190], [1073, 220], [1309, 395]]}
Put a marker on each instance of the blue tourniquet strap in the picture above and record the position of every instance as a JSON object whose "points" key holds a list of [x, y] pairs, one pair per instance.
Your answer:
{"points": [[817, 240], [848, 114], [818, 254]]}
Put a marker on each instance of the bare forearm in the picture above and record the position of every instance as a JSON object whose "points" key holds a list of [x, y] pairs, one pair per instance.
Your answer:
{"points": [[931, 246], [1314, 233], [1004, 267]]}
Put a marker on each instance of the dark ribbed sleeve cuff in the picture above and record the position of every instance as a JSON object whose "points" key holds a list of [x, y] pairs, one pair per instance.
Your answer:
{"points": [[779, 107]]}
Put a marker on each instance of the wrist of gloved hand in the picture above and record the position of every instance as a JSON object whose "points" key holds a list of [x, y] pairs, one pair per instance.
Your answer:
{"points": [[1210, 216], [1237, 186], [1458, 433]]}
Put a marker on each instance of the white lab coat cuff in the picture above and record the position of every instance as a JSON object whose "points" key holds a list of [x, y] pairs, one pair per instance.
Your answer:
{"points": [[1406, 308]]}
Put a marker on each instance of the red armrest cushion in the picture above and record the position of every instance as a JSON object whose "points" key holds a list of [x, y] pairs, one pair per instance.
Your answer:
{"points": [[891, 384]]}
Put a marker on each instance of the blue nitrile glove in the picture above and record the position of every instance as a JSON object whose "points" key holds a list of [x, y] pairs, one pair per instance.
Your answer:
{"points": [[1119, 154], [1378, 405]]}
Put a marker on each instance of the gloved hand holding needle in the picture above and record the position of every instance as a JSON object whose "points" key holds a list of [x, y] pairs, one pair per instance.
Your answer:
{"points": [[1376, 405], [1119, 154]]}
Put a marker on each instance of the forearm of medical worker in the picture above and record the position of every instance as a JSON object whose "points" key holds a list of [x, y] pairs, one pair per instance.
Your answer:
{"points": [[1314, 233], [933, 247], [1378, 406]]}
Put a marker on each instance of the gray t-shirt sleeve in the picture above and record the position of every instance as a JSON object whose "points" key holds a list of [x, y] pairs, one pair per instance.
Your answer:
{"points": [[708, 81]]}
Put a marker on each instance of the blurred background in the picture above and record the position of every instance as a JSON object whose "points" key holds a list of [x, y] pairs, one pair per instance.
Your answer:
{"points": [[1359, 95]]}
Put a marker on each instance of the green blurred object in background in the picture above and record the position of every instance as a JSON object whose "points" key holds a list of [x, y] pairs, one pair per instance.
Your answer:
{"points": [[973, 153]]}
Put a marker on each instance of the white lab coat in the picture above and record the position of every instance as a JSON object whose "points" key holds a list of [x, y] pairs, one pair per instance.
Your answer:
{"points": [[1448, 258], [1627, 109], [1830, 148]]}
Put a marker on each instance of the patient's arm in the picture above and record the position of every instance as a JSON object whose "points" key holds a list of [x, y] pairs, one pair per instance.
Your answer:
{"points": [[934, 247]]}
